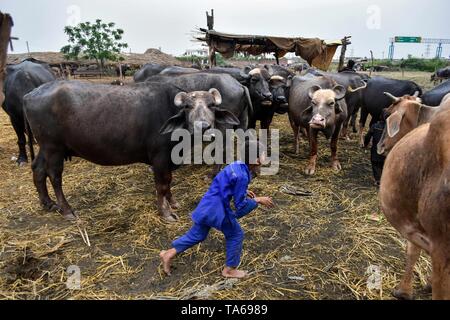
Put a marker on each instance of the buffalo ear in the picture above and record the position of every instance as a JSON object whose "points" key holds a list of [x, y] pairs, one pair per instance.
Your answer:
{"points": [[313, 90], [180, 99], [216, 95], [224, 116], [174, 123], [393, 123], [339, 91]]}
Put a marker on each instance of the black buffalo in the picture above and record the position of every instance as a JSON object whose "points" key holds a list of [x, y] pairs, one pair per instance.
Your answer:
{"points": [[148, 70], [374, 99], [435, 95], [354, 83], [20, 80], [256, 80], [441, 74], [114, 126], [317, 104]]}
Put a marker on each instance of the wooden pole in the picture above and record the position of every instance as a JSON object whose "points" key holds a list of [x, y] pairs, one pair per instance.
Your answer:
{"points": [[210, 20], [345, 42]]}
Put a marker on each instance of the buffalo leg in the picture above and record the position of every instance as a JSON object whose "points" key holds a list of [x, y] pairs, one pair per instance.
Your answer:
{"points": [[405, 290], [55, 167], [19, 128], [40, 181], [344, 131], [295, 129], [362, 123], [163, 177], [311, 168], [353, 119], [335, 164], [170, 198]]}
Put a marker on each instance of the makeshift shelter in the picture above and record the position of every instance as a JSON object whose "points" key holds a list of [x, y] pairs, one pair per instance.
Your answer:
{"points": [[318, 53]]}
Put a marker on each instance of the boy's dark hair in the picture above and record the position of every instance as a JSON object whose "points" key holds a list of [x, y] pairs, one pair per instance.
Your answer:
{"points": [[251, 150]]}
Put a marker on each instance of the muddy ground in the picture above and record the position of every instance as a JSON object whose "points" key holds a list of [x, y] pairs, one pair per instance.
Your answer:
{"points": [[316, 247]]}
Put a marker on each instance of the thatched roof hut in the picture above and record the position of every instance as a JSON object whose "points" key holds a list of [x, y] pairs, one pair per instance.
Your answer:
{"points": [[133, 59]]}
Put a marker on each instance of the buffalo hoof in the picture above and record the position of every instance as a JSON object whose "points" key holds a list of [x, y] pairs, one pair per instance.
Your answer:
{"points": [[22, 162], [310, 171], [174, 205], [402, 295], [428, 288], [50, 206], [336, 165], [171, 218], [70, 216]]}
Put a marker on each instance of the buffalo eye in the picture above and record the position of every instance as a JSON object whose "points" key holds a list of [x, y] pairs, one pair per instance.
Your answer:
{"points": [[313, 103], [331, 103]]}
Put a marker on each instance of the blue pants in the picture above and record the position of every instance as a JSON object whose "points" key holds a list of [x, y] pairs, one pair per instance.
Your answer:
{"points": [[234, 237]]}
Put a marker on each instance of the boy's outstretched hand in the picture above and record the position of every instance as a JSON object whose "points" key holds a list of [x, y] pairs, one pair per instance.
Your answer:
{"points": [[251, 194], [265, 201]]}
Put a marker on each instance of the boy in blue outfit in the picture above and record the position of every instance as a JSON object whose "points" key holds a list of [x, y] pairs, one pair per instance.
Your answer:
{"points": [[214, 211]]}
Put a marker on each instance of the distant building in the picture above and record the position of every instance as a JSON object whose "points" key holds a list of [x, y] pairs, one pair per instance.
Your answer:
{"points": [[201, 52]]}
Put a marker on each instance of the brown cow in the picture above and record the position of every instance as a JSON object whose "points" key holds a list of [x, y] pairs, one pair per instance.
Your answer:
{"points": [[415, 197], [405, 114], [6, 24]]}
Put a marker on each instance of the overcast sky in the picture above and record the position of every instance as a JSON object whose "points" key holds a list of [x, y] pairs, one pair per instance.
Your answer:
{"points": [[168, 23]]}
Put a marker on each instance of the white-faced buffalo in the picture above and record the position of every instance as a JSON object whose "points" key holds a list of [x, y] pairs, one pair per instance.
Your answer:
{"points": [[415, 198], [20, 80], [317, 104], [354, 83], [435, 95], [235, 97], [256, 80], [148, 70], [114, 126], [374, 100]]}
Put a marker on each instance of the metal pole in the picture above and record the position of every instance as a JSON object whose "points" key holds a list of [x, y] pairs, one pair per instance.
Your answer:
{"points": [[28, 49], [439, 50]]}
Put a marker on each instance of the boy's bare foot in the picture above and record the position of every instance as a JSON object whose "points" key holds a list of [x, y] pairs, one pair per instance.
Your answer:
{"points": [[234, 273], [166, 258]]}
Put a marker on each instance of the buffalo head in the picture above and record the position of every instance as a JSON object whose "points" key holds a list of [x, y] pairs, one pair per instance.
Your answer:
{"points": [[279, 87], [324, 105], [258, 86], [199, 110]]}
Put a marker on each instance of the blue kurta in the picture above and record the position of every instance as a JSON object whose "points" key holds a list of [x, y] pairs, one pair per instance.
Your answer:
{"points": [[231, 182], [214, 210]]}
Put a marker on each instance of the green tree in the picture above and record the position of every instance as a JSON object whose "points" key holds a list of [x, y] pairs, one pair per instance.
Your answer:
{"points": [[99, 41]]}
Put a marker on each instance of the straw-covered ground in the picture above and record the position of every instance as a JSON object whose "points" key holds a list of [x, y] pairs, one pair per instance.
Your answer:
{"points": [[307, 247]]}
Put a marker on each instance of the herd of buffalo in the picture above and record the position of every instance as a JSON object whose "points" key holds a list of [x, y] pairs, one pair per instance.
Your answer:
{"points": [[120, 125]]}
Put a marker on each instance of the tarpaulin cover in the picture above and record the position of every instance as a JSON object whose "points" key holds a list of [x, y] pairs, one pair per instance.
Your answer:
{"points": [[316, 52]]}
